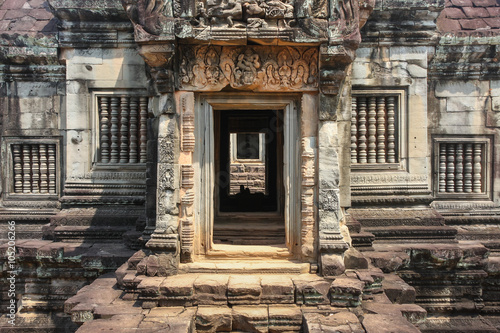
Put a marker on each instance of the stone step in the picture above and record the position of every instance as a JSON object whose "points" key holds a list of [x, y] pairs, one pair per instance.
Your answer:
{"points": [[90, 233], [245, 267], [384, 217], [363, 240], [417, 234], [465, 324], [253, 231]]}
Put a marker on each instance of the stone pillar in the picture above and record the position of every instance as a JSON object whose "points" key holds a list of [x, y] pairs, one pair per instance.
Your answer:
{"points": [[331, 241], [164, 241], [163, 184], [334, 95]]}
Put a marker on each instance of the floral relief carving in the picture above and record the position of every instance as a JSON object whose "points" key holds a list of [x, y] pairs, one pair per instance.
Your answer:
{"points": [[255, 68]]}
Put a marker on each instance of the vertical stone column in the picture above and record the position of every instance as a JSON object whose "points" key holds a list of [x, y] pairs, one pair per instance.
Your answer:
{"points": [[309, 134], [331, 241], [333, 157], [162, 164], [164, 241], [185, 110]]}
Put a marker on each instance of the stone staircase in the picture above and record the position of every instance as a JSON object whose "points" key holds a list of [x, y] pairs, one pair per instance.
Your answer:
{"points": [[286, 300], [455, 276]]}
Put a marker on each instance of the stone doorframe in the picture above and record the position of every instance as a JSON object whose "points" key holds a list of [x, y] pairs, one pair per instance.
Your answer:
{"points": [[204, 163]]}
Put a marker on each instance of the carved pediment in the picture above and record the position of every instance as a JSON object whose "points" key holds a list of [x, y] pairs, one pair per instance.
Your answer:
{"points": [[295, 21], [333, 25]]}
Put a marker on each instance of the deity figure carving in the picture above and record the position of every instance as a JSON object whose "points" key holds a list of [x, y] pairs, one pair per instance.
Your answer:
{"points": [[224, 9], [246, 68]]}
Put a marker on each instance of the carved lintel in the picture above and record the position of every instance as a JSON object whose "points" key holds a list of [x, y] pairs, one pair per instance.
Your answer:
{"points": [[258, 68]]}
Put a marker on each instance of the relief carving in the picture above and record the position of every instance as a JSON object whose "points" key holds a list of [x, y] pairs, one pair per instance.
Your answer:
{"points": [[165, 150], [187, 126], [166, 177], [258, 68]]}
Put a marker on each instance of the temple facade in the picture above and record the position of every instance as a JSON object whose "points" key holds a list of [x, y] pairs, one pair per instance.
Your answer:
{"points": [[285, 165]]}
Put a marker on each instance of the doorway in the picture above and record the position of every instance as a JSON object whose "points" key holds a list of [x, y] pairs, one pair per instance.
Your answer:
{"points": [[209, 220], [249, 192]]}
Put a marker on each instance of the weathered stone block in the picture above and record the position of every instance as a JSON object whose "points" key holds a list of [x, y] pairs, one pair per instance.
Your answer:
{"points": [[376, 323], [277, 290], [397, 290], [251, 318], [346, 292], [284, 318], [214, 319], [244, 289], [388, 261], [332, 264], [150, 286], [311, 289], [178, 290], [353, 259], [341, 322], [211, 289]]}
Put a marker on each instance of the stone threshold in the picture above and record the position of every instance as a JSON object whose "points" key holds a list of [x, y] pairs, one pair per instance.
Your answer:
{"points": [[245, 267], [246, 252]]}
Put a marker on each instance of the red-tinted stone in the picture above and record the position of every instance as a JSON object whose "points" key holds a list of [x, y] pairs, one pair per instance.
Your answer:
{"points": [[485, 3], [37, 3], [472, 24], [493, 22], [453, 13], [41, 14], [13, 4], [475, 12], [462, 3], [493, 11], [16, 14]]}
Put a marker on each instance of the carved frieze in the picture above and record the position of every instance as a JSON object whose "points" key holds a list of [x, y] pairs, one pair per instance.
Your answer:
{"points": [[395, 178], [258, 68]]}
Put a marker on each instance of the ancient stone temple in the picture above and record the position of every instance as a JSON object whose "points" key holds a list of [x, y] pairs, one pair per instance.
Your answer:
{"points": [[250, 166]]}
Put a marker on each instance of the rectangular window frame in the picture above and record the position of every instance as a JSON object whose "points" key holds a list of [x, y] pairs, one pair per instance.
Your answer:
{"points": [[486, 168], [401, 129], [8, 168], [97, 165]]}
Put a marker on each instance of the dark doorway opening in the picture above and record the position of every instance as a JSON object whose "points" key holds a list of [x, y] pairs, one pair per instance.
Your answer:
{"points": [[249, 191]]}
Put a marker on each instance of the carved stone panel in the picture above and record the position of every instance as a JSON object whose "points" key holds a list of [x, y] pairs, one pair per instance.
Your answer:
{"points": [[257, 68]]}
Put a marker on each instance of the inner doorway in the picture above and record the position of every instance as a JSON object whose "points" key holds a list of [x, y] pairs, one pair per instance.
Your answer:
{"points": [[249, 192]]}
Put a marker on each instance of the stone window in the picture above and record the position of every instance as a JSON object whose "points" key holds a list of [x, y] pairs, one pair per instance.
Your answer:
{"points": [[376, 119], [33, 167], [121, 122], [462, 167]]}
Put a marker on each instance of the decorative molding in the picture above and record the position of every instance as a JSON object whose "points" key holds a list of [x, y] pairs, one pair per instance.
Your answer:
{"points": [[109, 175], [307, 232], [258, 68], [187, 124], [395, 178]]}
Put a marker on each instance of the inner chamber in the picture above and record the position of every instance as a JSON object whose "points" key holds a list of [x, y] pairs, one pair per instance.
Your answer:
{"points": [[249, 205]]}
